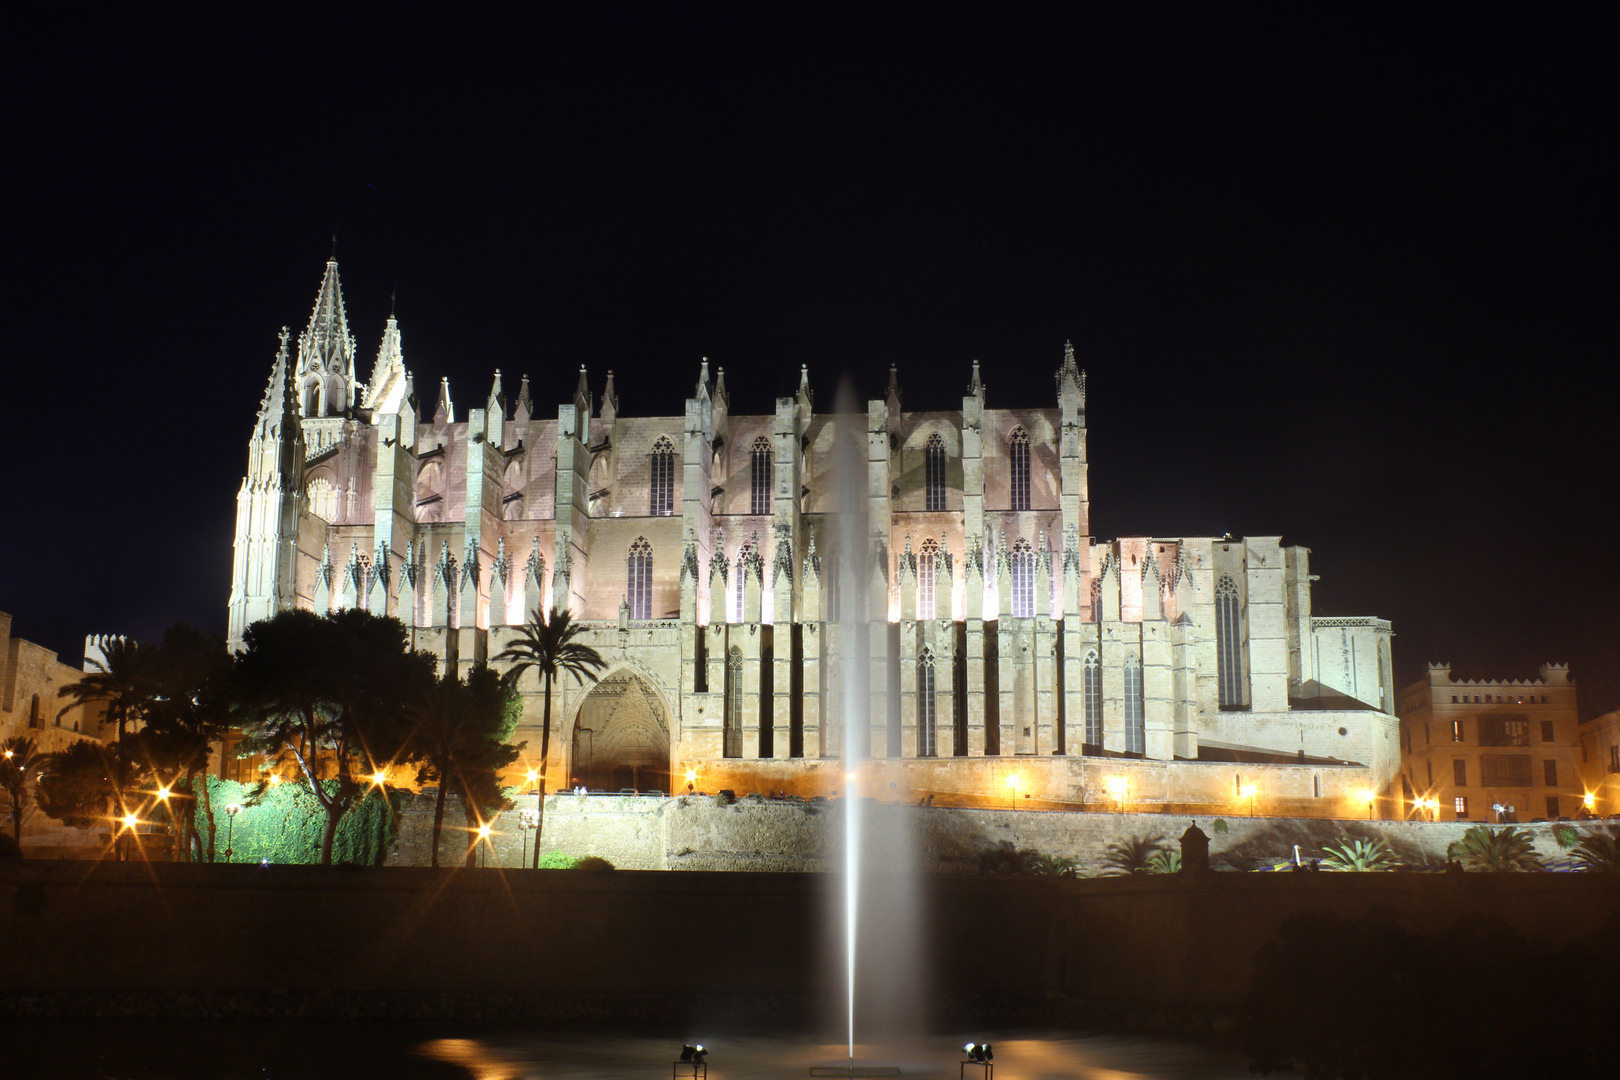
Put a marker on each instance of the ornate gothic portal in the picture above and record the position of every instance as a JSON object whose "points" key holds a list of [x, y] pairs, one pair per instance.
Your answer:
{"points": [[622, 737]]}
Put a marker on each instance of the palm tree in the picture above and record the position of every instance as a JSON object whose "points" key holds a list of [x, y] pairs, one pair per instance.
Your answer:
{"points": [[87, 784], [1133, 855], [1495, 850], [124, 680], [550, 649], [1600, 852], [1358, 856], [20, 763]]}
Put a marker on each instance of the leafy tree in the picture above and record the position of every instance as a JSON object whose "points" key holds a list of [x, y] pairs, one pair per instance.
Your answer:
{"points": [[1132, 856], [333, 692], [458, 737], [1566, 836], [1495, 850], [124, 680], [550, 649], [1600, 852], [1358, 856], [20, 766], [191, 709], [88, 784], [285, 824]]}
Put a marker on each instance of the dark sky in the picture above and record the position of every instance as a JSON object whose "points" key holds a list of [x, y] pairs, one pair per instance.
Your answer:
{"points": [[1350, 282]]}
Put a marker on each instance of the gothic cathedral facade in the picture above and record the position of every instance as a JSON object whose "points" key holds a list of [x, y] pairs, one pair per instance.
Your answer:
{"points": [[1001, 651]]}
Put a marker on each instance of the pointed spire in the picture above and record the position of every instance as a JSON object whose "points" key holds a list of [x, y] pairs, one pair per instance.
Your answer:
{"points": [[720, 394], [582, 403], [497, 399], [524, 409], [277, 392], [386, 390], [610, 401], [1071, 381], [892, 398], [702, 390], [445, 411], [326, 348], [976, 386], [583, 388]]}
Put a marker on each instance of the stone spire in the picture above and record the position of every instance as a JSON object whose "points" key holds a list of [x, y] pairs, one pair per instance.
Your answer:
{"points": [[892, 397], [702, 391], [805, 396], [445, 411], [1071, 381], [976, 387], [523, 411], [610, 402], [387, 389], [326, 381], [720, 394]]}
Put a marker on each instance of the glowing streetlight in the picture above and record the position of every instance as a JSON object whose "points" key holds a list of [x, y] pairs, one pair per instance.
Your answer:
{"points": [[275, 778], [1118, 786], [1013, 783], [1249, 791], [691, 778], [130, 821], [379, 778], [483, 836], [163, 793], [8, 755], [1368, 795], [1589, 800]]}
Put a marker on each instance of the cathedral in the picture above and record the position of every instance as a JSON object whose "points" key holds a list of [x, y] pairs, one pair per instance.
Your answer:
{"points": [[1000, 653]]}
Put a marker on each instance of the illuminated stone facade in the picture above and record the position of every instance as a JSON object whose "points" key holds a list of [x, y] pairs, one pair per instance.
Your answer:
{"points": [[1476, 745], [1007, 651]]}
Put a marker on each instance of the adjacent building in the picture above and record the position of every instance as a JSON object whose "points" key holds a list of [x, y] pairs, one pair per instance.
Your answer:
{"points": [[1503, 750], [1600, 762], [753, 579]]}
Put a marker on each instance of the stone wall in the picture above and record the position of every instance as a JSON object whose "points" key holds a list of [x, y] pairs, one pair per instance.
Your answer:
{"points": [[705, 833]]}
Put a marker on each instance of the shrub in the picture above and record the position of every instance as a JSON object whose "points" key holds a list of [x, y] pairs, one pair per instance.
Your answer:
{"points": [[593, 864], [1599, 852], [1358, 856], [1164, 861], [557, 860], [1495, 850], [1133, 856]]}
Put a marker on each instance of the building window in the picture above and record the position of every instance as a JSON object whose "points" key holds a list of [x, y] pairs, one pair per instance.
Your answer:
{"points": [[663, 477], [927, 562], [1546, 731], [638, 586], [1023, 580], [1459, 805], [1091, 686], [1018, 452], [1614, 759], [1549, 772], [1456, 731], [1459, 772], [1135, 730], [760, 476], [1430, 766], [1552, 808], [1504, 731], [1228, 643], [1096, 600], [734, 703], [934, 472], [34, 719], [1504, 770], [925, 704]]}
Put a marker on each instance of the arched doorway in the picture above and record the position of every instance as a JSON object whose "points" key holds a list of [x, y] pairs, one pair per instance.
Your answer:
{"points": [[621, 738]]}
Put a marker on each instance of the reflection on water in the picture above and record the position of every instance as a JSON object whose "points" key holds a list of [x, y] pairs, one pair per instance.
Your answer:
{"points": [[469, 1051]]}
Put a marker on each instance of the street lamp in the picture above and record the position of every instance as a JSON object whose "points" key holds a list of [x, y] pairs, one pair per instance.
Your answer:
{"points": [[483, 835], [1368, 795], [539, 811], [1118, 785], [691, 779], [1249, 791], [230, 828], [379, 778], [1012, 785]]}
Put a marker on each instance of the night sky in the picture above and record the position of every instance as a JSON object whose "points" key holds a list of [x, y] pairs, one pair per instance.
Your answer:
{"points": [[1347, 282]]}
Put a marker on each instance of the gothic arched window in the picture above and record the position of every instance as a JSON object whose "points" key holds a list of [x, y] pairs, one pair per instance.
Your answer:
{"points": [[925, 704], [934, 472], [1091, 686], [734, 703], [927, 566], [1135, 729], [662, 483], [760, 477], [741, 571], [1229, 643], [638, 585], [1018, 453], [1023, 580], [34, 719]]}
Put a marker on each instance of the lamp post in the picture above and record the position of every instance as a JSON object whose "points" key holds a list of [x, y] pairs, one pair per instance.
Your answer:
{"points": [[1368, 796], [1118, 786], [1012, 788], [230, 828], [129, 821], [1249, 792], [483, 837], [539, 810]]}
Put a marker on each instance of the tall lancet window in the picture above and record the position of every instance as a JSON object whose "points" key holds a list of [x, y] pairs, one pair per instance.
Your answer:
{"points": [[663, 477], [734, 703], [1091, 687], [760, 476], [927, 565], [925, 704], [1023, 580], [934, 471], [1018, 454], [638, 587], [1135, 728], [1229, 643]]}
